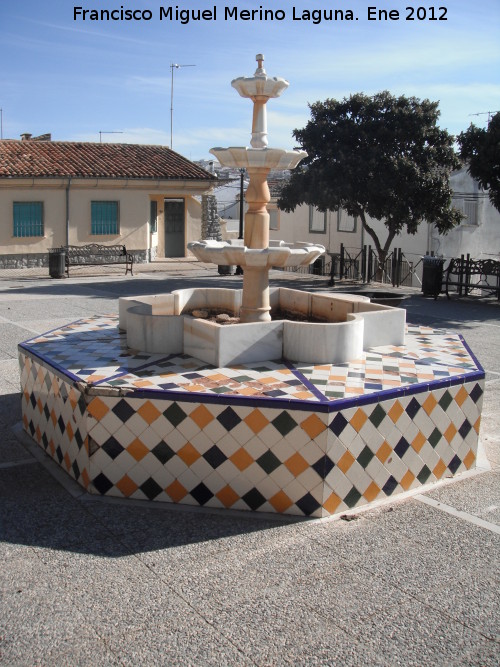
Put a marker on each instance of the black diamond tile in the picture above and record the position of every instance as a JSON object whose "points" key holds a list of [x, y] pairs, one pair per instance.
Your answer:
{"points": [[323, 466], [389, 486], [254, 499], [215, 456], [465, 429], [201, 494], [308, 504], [175, 414], [123, 410], [476, 393], [424, 475], [402, 447], [61, 424], [454, 464], [338, 424], [229, 419], [76, 470], [352, 497], [284, 423], [102, 483], [412, 408], [112, 447], [59, 454], [31, 427], [377, 416], [82, 405], [163, 452], [150, 488], [46, 412], [45, 441], [78, 438]]}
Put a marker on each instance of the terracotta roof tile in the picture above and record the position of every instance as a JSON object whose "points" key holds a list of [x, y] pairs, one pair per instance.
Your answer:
{"points": [[46, 159]]}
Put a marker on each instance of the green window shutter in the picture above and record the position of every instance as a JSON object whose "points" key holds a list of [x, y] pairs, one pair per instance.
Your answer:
{"points": [[28, 219], [104, 217], [153, 216]]}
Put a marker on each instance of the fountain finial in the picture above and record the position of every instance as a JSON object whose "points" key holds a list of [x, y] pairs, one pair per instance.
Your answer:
{"points": [[260, 71]]}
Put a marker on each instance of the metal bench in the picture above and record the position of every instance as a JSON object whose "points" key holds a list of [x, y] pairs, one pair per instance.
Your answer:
{"points": [[465, 274], [95, 254]]}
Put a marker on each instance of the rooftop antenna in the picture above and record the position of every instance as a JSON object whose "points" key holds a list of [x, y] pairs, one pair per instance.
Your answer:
{"points": [[101, 132], [485, 113], [172, 67]]}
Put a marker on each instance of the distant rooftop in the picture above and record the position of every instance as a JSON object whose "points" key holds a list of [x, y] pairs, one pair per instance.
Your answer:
{"points": [[35, 158]]}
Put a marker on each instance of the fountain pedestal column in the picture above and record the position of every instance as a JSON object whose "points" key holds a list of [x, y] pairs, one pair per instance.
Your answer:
{"points": [[255, 305]]}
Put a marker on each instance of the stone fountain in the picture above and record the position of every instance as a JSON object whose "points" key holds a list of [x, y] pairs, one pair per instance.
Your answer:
{"points": [[306, 403], [256, 256]]}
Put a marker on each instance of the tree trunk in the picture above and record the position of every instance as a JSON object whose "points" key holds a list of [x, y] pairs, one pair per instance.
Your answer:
{"points": [[382, 251]]}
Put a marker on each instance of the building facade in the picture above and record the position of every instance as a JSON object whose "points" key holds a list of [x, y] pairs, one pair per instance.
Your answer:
{"points": [[66, 193]]}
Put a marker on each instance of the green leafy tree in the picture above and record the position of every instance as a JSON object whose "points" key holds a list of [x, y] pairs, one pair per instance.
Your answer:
{"points": [[480, 148], [382, 157]]}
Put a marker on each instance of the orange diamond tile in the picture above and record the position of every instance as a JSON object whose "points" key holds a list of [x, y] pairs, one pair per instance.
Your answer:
{"points": [[383, 452], [97, 408], [241, 459], [73, 398], [313, 426], [371, 492], [407, 480], [137, 449], [188, 454], [148, 412], [38, 434], [331, 503], [67, 461], [477, 425], [39, 405], [85, 478], [201, 416], [296, 464], [280, 501], [256, 420], [345, 462], [176, 491], [418, 441], [396, 411], [53, 416], [358, 420], [439, 469], [461, 395], [450, 432], [227, 496], [429, 404], [469, 460], [127, 486]]}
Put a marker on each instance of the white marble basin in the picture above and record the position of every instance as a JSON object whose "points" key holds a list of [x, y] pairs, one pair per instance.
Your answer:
{"points": [[270, 158], [350, 324], [279, 254]]}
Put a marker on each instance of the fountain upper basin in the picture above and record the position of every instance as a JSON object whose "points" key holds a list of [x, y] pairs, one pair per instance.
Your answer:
{"points": [[278, 253]]}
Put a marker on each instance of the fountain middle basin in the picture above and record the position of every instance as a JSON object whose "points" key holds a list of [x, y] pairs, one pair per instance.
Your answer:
{"points": [[335, 328]]}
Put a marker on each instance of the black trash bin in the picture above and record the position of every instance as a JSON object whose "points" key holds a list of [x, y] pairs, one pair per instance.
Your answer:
{"points": [[432, 275], [225, 269], [57, 262]]}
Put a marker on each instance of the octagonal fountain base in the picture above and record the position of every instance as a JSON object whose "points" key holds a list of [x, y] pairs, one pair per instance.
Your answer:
{"points": [[275, 436]]}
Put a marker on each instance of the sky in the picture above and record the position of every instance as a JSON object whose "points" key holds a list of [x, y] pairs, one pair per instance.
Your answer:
{"points": [[111, 81]]}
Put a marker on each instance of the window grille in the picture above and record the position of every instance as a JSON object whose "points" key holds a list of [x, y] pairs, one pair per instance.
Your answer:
{"points": [[104, 217], [28, 219], [317, 221]]}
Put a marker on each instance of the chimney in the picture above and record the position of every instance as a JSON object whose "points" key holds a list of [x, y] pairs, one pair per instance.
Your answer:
{"points": [[25, 136]]}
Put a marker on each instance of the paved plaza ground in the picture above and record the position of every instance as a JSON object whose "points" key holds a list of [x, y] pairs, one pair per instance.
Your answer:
{"points": [[95, 581]]}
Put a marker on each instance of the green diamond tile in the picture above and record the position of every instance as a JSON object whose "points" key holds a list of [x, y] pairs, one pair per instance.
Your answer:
{"points": [[365, 457], [175, 414], [377, 416], [445, 400], [268, 462], [284, 423], [435, 437]]}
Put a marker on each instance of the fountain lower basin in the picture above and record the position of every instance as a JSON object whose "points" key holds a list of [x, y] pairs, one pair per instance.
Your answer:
{"points": [[348, 325]]}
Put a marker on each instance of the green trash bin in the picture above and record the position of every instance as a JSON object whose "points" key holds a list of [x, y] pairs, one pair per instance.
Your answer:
{"points": [[57, 262], [432, 275]]}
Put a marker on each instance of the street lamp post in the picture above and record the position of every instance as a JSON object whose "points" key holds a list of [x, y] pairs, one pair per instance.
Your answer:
{"points": [[172, 67]]}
